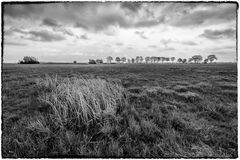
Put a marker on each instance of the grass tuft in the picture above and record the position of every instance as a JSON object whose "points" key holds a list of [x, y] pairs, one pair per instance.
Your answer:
{"points": [[80, 100]]}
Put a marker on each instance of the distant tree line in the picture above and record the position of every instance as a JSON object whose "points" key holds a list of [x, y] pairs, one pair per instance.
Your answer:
{"points": [[153, 59], [138, 59]]}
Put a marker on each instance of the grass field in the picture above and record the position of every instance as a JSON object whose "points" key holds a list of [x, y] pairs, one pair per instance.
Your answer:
{"points": [[125, 110]]}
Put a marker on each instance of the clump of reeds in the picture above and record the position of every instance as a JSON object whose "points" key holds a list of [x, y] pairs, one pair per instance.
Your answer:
{"points": [[80, 99]]}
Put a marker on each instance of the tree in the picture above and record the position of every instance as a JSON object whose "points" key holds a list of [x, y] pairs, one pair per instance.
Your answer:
{"points": [[152, 59], [147, 59], [197, 58], [92, 61], [158, 59], [172, 59], [137, 59], [99, 61], [184, 60], [163, 59], [133, 60], [109, 59], [129, 60], [211, 58], [29, 60], [140, 59], [117, 59], [205, 61], [74, 61], [123, 59], [190, 60], [167, 59], [179, 60]]}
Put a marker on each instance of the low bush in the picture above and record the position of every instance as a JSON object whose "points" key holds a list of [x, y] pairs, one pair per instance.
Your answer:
{"points": [[92, 61], [29, 60]]}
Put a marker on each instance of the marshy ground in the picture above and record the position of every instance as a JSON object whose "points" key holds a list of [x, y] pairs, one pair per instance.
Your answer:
{"points": [[124, 110]]}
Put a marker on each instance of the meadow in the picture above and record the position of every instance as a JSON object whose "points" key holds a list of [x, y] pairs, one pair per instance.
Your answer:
{"points": [[119, 110]]}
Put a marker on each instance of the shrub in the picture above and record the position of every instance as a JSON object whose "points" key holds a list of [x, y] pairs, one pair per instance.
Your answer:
{"points": [[92, 61], [29, 60], [99, 61]]}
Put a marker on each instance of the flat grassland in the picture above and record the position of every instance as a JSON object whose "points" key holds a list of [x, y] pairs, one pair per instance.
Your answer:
{"points": [[119, 110]]}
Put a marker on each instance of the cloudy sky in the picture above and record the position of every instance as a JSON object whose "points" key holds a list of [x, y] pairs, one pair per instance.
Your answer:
{"points": [[63, 32]]}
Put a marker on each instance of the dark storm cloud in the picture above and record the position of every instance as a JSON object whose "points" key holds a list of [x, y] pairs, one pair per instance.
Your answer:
{"points": [[56, 26], [101, 16], [141, 34], [213, 15], [45, 36], [219, 34], [14, 44], [12, 30], [102, 22], [50, 22], [132, 6], [23, 10], [42, 35]]}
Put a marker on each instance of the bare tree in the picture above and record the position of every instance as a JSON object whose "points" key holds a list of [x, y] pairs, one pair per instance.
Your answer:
{"points": [[163, 59], [190, 60], [117, 59], [133, 60], [147, 59], [212, 57], [179, 60], [167, 59], [140, 59], [123, 59], [152, 59], [197, 58], [205, 61], [109, 59], [137, 59]]}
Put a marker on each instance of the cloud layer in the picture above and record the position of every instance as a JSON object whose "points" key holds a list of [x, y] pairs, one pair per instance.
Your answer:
{"points": [[219, 34], [99, 29]]}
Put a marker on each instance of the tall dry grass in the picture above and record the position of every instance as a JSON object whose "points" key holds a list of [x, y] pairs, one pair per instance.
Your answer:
{"points": [[80, 99]]}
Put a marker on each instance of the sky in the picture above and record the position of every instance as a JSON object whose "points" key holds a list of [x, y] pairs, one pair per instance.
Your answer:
{"points": [[64, 32]]}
